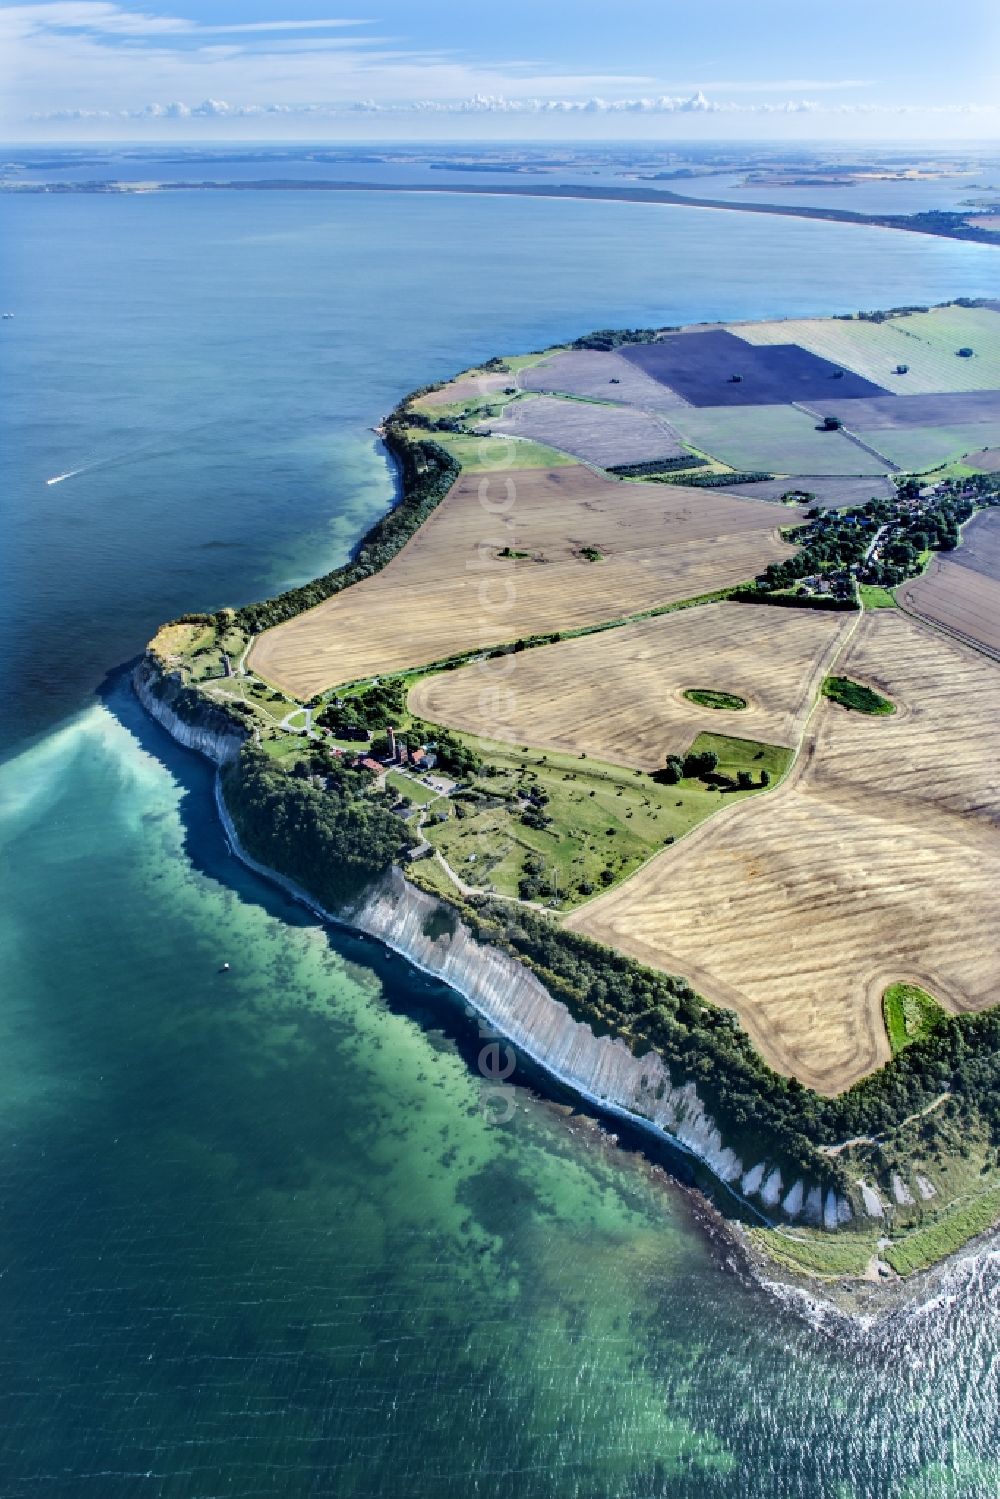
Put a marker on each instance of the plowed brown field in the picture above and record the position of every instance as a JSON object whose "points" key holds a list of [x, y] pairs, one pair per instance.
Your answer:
{"points": [[877, 859], [449, 590], [961, 590], [773, 658]]}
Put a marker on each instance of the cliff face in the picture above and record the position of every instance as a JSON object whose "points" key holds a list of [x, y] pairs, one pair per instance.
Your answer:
{"points": [[187, 717], [504, 991], [601, 1069]]}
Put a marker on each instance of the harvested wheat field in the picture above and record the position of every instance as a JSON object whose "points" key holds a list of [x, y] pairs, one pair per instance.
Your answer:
{"points": [[877, 859], [927, 342], [606, 376], [772, 658], [450, 590], [960, 591], [597, 433]]}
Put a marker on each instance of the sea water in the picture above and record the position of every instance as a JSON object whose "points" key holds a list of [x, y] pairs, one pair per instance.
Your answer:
{"points": [[258, 1234]]}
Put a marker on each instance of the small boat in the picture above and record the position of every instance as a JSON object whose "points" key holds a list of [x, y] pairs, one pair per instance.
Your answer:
{"points": [[224, 968]]}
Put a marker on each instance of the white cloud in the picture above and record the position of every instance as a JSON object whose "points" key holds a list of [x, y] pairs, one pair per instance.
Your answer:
{"points": [[498, 104], [96, 60]]}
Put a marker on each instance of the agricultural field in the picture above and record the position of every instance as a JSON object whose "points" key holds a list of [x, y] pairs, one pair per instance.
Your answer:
{"points": [[920, 449], [773, 659], [960, 591], [599, 376], [945, 409], [450, 589], [772, 439], [835, 492], [470, 387], [589, 825], [926, 342], [701, 367], [596, 433], [876, 861], [484, 455], [987, 462]]}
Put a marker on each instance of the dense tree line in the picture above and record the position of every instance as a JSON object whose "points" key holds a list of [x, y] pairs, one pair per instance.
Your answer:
{"points": [[718, 481], [331, 838], [771, 1116], [657, 466], [427, 473], [613, 338], [375, 707]]}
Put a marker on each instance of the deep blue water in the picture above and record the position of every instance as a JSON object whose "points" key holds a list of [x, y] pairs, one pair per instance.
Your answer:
{"points": [[256, 1236]]}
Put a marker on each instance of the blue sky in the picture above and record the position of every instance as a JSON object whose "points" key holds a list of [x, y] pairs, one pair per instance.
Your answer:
{"points": [[520, 69]]}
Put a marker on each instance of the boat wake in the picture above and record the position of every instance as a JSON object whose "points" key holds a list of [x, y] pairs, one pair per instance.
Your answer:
{"points": [[70, 473]]}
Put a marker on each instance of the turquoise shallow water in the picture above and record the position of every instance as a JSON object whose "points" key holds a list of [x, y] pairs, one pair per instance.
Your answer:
{"points": [[256, 1237]]}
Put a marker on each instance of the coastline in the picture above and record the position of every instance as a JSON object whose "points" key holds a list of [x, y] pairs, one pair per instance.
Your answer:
{"points": [[642, 1075], [821, 1301], [934, 226], [354, 921]]}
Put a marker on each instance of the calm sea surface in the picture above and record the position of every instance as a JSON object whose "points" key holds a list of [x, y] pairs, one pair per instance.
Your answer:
{"points": [[256, 1237]]}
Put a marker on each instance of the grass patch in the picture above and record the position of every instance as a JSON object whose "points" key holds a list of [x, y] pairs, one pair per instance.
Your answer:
{"points": [[873, 596], [744, 754], [486, 454], [600, 821], [925, 1246], [409, 786], [429, 875], [829, 1256], [854, 696], [707, 697], [910, 1014]]}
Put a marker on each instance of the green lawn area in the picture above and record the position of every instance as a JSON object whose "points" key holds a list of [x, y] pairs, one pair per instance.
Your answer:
{"points": [[409, 786], [707, 697], [606, 820], [856, 697], [284, 747], [873, 596], [482, 454], [910, 1015], [525, 361]]}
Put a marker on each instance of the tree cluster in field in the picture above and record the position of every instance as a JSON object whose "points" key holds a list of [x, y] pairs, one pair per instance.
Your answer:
{"points": [[657, 466], [714, 481], [613, 338], [702, 765], [373, 708], [332, 839], [427, 473], [533, 882], [453, 756], [435, 423]]}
